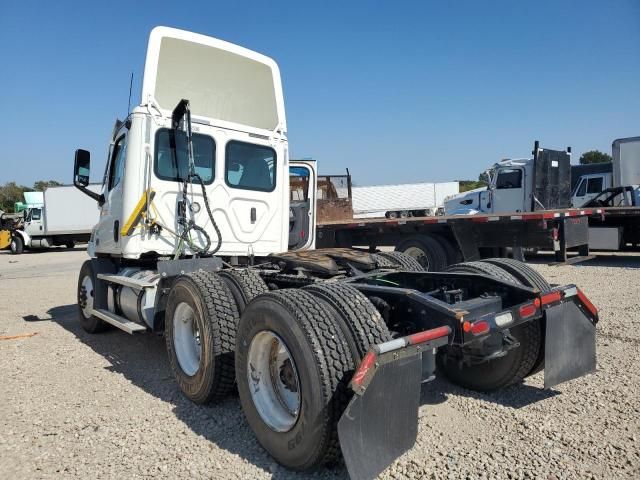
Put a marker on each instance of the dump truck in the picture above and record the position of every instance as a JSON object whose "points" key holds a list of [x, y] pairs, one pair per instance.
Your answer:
{"points": [[327, 348]]}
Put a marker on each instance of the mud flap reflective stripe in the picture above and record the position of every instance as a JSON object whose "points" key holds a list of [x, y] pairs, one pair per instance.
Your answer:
{"points": [[570, 344], [381, 421], [380, 425]]}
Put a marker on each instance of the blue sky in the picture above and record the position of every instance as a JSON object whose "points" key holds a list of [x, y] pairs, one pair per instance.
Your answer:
{"points": [[396, 91]]}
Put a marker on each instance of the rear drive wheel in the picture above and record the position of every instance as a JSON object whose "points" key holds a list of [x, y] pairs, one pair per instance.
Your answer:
{"points": [[503, 371], [529, 277], [403, 261], [244, 285], [85, 294], [360, 322], [291, 365], [426, 250], [17, 245], [200, 331]]}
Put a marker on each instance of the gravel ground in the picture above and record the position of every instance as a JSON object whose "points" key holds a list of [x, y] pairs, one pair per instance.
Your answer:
{"points": [[106, 406]]}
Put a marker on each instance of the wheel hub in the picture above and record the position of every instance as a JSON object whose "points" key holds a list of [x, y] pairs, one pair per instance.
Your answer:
{"points": [[186, 339], [273, 381]]}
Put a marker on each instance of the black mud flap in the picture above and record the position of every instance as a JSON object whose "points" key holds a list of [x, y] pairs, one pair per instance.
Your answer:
{"points": [[570, 344], [381, 422]]}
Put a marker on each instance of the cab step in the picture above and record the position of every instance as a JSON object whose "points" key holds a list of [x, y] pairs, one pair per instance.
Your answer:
{"points": [[118, 321], [126, 281]]}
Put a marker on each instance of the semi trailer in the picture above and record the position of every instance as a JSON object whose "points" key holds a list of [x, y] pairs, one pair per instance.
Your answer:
{"points": [[328, 348]]}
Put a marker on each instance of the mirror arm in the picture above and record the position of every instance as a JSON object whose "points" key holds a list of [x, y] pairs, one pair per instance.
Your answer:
{"points": [[98, 197]]}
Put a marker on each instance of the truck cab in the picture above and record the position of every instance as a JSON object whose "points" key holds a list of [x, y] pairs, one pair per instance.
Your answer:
{"points": [[238, 189], [508, 191], [589, 187], [520, 185]]}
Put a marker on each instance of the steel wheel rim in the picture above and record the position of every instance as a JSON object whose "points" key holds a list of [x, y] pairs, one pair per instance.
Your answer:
{"points": [[186, 339], [86, 296], [273, 379], [419, 255]]}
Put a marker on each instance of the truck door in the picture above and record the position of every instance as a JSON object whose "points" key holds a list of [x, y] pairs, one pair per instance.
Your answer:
{"points": [[33, 224], [302, 204], [589, 187], [110, 222], [508, 193]]}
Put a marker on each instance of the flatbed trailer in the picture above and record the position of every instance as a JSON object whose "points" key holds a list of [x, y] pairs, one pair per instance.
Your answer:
{"points": [[619, 228], [466, 237]]}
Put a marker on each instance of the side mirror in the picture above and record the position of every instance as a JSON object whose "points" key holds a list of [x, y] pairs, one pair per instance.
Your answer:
{"points": [[81, 168]]}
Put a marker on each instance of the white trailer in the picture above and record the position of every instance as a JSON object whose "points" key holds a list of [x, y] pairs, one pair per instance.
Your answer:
{"points": [[66, 217], [401, 201]]}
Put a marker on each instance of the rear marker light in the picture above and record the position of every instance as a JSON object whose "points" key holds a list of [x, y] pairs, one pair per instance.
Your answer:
{"points": [[428, 335], [504, 319], [587, 303], [478, 328], [551, 297], [528, 310]]}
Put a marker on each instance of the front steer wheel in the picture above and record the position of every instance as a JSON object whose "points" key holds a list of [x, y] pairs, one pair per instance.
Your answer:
{"points": [[200, 332], [86, 284], [291, 365]]}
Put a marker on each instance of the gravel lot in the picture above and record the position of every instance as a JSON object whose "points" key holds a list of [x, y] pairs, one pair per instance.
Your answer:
{"points": [[106, 406]]}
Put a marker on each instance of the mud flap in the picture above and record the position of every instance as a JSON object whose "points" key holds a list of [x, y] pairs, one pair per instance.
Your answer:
{"points": [[570, 344], [381, 423]]}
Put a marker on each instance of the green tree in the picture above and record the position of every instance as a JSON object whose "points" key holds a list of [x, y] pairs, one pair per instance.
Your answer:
{"points": [[41, 185], [594, 156], [466, 185], [10, 193]]}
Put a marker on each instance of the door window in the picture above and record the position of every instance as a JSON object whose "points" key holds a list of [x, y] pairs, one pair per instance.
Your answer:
{"points": [[250, 167], [582, 189], [36, 214], [509, 178], [117, 162], [594, 185]]}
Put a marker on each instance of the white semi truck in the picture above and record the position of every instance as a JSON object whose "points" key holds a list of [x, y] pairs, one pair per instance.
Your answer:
{"points": [[66, 217], [520, 185], [328, 348]]}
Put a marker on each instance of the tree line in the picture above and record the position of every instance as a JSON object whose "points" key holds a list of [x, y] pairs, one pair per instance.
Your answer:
{"points": [[11, 192]]}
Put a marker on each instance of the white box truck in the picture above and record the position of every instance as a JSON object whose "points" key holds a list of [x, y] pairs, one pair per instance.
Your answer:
{"points": [[66, 218]]}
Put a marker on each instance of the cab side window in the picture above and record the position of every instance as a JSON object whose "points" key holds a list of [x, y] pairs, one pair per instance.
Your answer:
{"points": [[117, 162], [509, 178], [582, 189]]}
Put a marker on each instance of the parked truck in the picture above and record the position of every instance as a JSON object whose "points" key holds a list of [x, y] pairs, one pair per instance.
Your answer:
{"points": [[588, 181], [492, 224], [328, 347], [65, 218]]}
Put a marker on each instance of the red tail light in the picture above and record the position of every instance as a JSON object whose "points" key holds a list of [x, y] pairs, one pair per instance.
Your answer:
{"points": [[528, 310], [551, 297], [478, 328]]}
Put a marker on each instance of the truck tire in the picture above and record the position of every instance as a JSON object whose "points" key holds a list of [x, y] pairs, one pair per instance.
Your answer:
{"points": [[200, 332], [403, 261], [453, 253], [484, 269], [523, 272], [500, 372], [426, 250], [291, 365], [71, 244], [244, 285], [529, 277], [85, 295], [16, 245], [360, 322]]}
